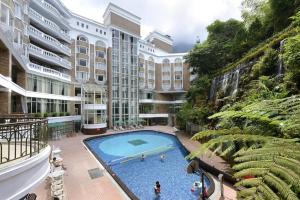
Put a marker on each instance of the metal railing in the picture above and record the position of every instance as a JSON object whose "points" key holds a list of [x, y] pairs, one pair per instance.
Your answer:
{"points": [[21, 136]]}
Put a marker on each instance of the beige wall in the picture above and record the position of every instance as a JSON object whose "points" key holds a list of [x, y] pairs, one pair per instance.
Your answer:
{"points": [[162, 45], [125, 24]]}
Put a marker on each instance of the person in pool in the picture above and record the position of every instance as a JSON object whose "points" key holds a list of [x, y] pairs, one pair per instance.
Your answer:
{"points": [[157, 188], [142, 157]]}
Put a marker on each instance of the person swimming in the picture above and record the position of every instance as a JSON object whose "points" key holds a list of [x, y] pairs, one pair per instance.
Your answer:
{"points": [[162, 157], [157, 188], [142, 157]]}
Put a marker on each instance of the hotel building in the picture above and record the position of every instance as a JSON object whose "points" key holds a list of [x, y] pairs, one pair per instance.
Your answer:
{"points": [[57, 64]]}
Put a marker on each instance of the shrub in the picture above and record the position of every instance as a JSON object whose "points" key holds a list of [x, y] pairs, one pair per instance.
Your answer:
{"points": [[67, 114], [267, 65], [45, 114], [37, 115], [54, 114], [61, 114]]}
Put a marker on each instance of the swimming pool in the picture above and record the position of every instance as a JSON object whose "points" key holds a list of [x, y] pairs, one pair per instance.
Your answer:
{"points": [[122, 153]]}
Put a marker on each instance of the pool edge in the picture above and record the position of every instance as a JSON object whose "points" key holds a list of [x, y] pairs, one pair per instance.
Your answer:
{"points": [[123, 186]]}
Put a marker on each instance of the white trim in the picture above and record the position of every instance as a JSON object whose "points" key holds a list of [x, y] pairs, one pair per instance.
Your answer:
{"points": [[94, 106], [162, 115], [63, 119], [94, 126], [151, 101], [22, 177]]}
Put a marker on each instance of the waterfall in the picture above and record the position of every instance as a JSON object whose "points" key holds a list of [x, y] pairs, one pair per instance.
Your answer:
{"points": [[236, 77], [280, 60], [225, 82], [212, 89]]}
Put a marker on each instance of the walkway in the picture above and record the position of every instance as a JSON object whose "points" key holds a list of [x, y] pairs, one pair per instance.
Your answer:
{"points": [[77, 182], [78, 160]]}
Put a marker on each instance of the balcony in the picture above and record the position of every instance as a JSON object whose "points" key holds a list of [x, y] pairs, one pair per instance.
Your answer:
{"points": [[48, 72], [48, 25], [50, 11], [166, 78], [48, 56], [178, 69], [166, 69], [51, 42], [24, 155]]}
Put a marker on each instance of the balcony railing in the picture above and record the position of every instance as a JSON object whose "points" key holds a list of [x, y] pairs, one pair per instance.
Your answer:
{"points": [[166, 69], [48, 71], [166, 78], [51, 9], [21, 137], [52, 57], [50, 25], [178, 68], [49, 40]]}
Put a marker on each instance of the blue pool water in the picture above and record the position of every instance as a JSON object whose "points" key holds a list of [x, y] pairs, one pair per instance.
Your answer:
{"points": [[123, 151]]}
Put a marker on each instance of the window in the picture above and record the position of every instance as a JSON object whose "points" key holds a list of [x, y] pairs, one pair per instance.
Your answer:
{"points": [[18, 12], [50, 106], [100, 31], [82, 62], [33, 105], [77, 23], [82, 75], [100, 65], [4, 14], [96, 30], [82, 38], [100, 78], [149, 95], [82, 25], [177, 76], [100, 54], [87, 26], [82, 50], [17, 36], [104, 33]]}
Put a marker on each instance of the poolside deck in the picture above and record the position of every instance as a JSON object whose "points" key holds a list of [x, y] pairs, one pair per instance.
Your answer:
{"points": [[78, 160]]}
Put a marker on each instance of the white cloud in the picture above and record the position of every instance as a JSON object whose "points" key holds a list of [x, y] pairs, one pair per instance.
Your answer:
{"points": [[184, 20]]}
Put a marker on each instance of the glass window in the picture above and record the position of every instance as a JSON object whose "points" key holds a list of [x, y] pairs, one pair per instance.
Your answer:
{"points": [[100, 78], [82, 50], [82, 38], [100, 65], [17, 36], [100, 54], [4, 14], [82, 62], [18, 11]]}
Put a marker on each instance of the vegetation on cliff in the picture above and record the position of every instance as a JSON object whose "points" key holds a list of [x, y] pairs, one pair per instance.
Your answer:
{"points": [[246, 97]]}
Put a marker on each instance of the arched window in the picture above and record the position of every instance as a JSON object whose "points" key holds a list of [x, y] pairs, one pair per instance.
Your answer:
{"points": [[178, 61], [166, 62], [151, 73], [82, 38], [100, 44]]}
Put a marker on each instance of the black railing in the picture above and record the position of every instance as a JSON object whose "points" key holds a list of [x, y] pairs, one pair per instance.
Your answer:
{"points": [[21, 137]]}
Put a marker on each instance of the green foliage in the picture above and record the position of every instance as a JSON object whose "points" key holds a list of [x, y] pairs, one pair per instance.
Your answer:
{"points": [[198, 89], [292, 53], [188, 113], [45, 114], [37, 115], [54, 114], [225, 43], [267, 64], [61, 114]]}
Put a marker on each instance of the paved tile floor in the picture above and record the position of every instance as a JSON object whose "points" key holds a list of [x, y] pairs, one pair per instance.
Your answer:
{"points": [[78, 160]]}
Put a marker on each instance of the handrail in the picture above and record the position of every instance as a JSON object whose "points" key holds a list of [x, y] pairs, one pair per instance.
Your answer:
{"points": [[21, 137], [146, 153]]}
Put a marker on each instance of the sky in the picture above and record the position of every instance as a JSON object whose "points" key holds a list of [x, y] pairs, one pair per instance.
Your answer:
{"points": [[184, 20]]}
